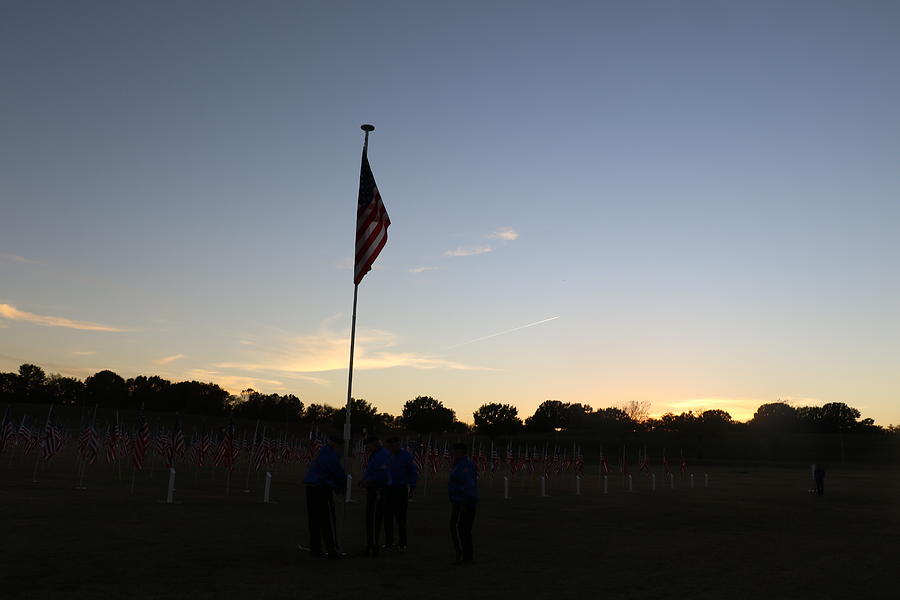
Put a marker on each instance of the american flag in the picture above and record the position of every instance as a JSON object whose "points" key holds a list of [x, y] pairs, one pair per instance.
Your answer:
{"points": [[177, 447], [263, 453], [226, 450], [89, 445], [112, 442], [141, 444], [644, 461], [204, 448], [372, 221], [51, 441], [579, 463], [7, 430], [26, 436]]}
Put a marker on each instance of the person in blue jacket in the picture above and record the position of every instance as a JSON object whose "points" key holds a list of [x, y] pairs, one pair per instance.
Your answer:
{"points": [[462, 488], [324, 477], [376, 479], [404, 475]]}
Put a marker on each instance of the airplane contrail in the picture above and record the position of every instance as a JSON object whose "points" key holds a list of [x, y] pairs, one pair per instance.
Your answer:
{"points": [[503, 332]]}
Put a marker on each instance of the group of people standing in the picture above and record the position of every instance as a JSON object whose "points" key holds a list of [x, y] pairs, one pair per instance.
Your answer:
{"points": [[390, 481]]}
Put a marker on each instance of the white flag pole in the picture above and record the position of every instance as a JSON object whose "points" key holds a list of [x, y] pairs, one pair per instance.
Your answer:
{"points": [[347, 430]]}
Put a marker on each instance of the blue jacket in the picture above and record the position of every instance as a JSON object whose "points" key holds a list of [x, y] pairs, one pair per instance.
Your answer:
{"points": [[378, 471], [463, 483], [325, 470], [403, 469]]}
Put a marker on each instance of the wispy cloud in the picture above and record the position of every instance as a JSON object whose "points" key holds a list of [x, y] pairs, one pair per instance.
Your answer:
{"points": [[504, 233], [10, 312], [327, 350], [486, 337], [423, 269], [234, 383], [468, 251], [83, 352], [168, 359], [17, 259]]}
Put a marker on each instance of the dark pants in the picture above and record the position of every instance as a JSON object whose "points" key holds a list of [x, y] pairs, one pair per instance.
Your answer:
{"points": [[396, 505], [820, 487], [320, 510], [374, 517], [461, 520]]}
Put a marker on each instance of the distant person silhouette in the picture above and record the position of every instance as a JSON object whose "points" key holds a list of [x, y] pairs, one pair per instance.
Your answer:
{"points": [[376, 479], [819, 476], [324, 477], [404, 476], [462, 488]]}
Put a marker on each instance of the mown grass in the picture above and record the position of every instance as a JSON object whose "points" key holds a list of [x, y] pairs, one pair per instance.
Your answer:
{"points": [[754, 533]]}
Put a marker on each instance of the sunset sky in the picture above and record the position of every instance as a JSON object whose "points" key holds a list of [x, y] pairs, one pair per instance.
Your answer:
{"points": [[692, 204]]}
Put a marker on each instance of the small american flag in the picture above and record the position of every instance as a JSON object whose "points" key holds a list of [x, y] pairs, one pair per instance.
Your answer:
{"points": [[177, 448], [226, 450], [112, 442], [89, 445], [51, 441], [263, 453], [644, 461], [372, 222], [7, 431], [204, 448], [141, 444]]}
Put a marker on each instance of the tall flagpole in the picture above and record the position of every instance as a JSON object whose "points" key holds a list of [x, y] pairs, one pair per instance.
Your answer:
{"points": [[367, 128], [346, 459]]}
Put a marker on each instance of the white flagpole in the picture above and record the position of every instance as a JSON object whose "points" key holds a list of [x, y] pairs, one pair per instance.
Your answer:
{"points": [[347, 431]]}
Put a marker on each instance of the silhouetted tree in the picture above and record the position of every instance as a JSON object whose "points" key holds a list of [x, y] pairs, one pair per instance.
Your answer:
{"points": [[31, 384], [319, 413], [715, 421], [495, 419], [837, 417], [198, 398], [611, 424], [637, 410], [775, 417], [362, 415], [553, 414], [153, 393], [8, 386], [548, 416], [106, 389], [389, 421], [424, 415], [269, 407], [65, 390]]}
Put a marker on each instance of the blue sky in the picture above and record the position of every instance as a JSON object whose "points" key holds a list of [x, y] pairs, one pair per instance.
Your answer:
{"points": [[705, 194]]}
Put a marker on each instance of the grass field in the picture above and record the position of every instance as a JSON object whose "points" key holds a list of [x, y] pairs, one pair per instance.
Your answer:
{"points": [[754, 533]]}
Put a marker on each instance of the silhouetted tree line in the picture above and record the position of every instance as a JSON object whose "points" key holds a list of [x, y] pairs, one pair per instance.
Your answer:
{"points": [[422, 414]]}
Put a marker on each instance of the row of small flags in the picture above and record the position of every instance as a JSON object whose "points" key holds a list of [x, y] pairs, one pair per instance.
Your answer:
{"points": [[117, 443], [225, 449]]}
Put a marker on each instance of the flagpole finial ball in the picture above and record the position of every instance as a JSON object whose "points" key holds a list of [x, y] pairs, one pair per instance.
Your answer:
{"points": [[367, 127]]}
